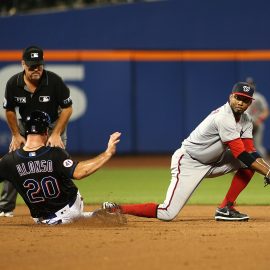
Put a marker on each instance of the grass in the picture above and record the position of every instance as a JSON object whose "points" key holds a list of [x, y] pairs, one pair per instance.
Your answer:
{"points": [[150, 185]]}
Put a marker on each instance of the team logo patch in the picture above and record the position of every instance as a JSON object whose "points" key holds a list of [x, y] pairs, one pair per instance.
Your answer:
{"points": [[246, 88], [44, 98], [32, 154], [66, 101], [20, 99], [68, 163]]}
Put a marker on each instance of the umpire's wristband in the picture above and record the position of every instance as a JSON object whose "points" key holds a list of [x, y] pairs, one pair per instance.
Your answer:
{"points": [[246, 158]]}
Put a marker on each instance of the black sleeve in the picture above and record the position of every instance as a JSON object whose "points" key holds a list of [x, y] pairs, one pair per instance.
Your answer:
{"points": [[63, 94], [66, 165], [9, 101]]}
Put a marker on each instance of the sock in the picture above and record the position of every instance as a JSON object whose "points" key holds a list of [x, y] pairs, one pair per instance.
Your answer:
{"points": [[142, 210], [239, 182]]}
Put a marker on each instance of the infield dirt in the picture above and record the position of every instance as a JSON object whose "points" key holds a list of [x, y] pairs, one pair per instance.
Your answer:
{"points": [[193, 241]]}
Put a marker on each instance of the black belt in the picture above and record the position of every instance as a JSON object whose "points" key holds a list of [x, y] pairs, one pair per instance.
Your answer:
{"points": [[73, 200]]}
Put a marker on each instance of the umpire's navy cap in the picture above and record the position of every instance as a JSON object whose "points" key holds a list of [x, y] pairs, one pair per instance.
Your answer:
{"points": [[243, 89], [33, 55]]}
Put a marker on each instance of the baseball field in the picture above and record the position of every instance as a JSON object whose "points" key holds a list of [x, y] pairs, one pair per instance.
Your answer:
{"points": [[193, 241]]}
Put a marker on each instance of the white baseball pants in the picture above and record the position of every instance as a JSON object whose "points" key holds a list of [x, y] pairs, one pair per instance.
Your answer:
{"points": [[67, 214], [187, 173]]}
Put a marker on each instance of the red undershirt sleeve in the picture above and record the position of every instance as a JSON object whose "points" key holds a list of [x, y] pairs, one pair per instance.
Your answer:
{"points": [[249, 145], [237, 147]]}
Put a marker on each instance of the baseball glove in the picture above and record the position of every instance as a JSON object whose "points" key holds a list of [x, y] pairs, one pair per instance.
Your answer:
{"points": [[266, 181]]}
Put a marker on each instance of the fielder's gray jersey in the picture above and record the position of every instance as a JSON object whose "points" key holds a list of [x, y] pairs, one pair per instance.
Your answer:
{"points": [[207, 142], [258, 105]]}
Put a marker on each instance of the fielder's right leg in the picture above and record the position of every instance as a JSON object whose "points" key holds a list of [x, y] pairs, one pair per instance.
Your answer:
{"points": [[186, 173]]}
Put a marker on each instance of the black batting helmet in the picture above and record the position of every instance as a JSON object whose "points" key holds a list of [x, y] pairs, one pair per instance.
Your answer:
{"points": [[37, 122]]}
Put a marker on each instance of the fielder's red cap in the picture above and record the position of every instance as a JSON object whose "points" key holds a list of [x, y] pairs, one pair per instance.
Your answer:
{"points": [[243, 89]]}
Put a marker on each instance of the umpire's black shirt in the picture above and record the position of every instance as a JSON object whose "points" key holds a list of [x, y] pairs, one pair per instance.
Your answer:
{"points": [[50, 94]]}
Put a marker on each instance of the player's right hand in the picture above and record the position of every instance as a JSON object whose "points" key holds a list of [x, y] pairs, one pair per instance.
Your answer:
{"points": [[16, 142]]}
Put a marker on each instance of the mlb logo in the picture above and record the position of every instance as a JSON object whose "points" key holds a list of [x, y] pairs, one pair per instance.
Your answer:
{"points": [[44, 99], [32, 154], [34, 55]]}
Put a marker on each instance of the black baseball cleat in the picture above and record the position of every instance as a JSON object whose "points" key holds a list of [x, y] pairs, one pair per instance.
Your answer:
{"points": [[228, 213]]}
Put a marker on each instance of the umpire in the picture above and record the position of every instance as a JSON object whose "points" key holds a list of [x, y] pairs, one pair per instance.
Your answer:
{"points": [[34, 89]]}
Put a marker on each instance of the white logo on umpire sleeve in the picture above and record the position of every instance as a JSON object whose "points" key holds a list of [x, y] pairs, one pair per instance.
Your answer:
{"points": [[66, 101], [44, 98], [20, 99], [68, 163]]}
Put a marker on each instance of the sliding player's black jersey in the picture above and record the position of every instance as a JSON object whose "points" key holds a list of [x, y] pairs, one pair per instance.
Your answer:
{"points": [[42, 178]]}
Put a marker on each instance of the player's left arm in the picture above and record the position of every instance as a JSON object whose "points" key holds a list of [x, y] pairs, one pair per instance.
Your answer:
{"points": [[243, 149], [87, 167]]}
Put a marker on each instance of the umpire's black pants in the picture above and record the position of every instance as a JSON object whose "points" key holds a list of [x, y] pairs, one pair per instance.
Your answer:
{"points": [[8, 197]]}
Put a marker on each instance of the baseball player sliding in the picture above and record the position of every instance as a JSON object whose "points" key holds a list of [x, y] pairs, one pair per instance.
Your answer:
{"points": [[43, 175], [222, 143]]}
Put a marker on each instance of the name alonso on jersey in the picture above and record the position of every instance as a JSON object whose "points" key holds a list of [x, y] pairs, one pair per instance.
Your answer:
{"points": [[37, 166]]}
